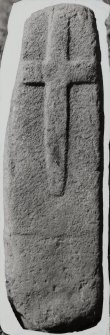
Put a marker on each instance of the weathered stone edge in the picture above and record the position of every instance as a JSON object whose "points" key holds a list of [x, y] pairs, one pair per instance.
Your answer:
{"points": [[3, 35]]}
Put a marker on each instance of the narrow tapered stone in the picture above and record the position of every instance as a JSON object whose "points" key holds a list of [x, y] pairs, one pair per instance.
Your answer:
{"points": [[53, 166]]}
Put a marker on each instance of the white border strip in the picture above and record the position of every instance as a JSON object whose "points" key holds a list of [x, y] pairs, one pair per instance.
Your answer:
{"points": [[20, 12]]}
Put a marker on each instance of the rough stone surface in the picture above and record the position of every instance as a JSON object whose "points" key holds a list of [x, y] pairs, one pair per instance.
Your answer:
{"points": [[53, 165], [5, 7], [108, 35]]}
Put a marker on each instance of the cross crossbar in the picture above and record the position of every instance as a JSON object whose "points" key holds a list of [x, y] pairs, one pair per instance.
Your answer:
{"points": [[70, 71], [56, 72]]}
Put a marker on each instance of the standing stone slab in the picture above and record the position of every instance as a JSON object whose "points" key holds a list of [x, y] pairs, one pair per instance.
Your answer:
{"points": [[53, 164]]}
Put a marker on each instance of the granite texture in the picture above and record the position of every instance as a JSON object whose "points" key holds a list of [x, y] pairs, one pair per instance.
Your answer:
{"points": [[53, 167], [5, 8], [108, 35]]}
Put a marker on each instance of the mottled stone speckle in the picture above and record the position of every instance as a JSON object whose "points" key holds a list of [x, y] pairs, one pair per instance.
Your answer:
{"points": [[53, 165]]}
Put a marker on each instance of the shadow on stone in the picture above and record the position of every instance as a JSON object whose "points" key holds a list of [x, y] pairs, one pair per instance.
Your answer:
{"points": [[17, 314], [80, 324]]}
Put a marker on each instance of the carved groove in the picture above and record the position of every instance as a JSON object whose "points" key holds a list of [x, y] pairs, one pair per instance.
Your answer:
{"points": [[68, 40]]}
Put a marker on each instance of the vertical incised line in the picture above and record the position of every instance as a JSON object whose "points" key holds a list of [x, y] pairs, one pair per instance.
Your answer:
{"points": [[56, 102], [67, 132], [68, 40]]}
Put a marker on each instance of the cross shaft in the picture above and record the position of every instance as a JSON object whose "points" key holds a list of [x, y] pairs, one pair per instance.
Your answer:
{"points": [[56, 72]]}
